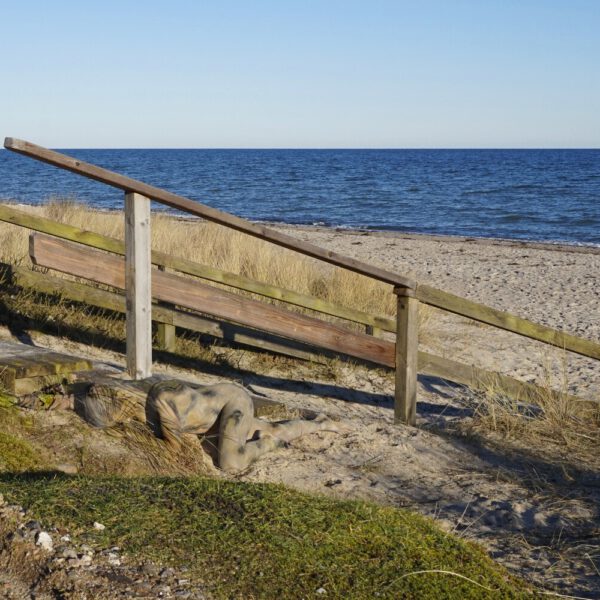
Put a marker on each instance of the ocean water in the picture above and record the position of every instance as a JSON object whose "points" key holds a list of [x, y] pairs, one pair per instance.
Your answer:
{"points": [[545, 195]]}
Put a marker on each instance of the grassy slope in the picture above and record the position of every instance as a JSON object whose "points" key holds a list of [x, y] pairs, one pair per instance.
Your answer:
{"points": [[264, 541]]}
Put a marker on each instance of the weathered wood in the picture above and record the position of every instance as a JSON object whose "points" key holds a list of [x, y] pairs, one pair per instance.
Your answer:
{"points": [[229, 332], [376, 331], [25, 369], [128, 184], [166, 337], [137, 286], [101, 242], [407, 344], [507, 321], [428, 364], [108, 269], [480, 379]]}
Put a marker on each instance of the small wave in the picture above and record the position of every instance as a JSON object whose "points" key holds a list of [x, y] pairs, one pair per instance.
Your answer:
{"points": [[524, 186], [512, 218], [502, 190], [585, 221]]}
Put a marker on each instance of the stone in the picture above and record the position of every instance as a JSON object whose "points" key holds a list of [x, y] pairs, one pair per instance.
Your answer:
{"points": [[69, 553], [44, 541], [99, 526], [33, 525]]}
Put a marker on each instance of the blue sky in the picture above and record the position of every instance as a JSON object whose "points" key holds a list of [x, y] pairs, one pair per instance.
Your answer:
{"points": [[291, 73]]}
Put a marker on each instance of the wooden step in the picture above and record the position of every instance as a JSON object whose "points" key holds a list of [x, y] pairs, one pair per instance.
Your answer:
{"points": [[26, 369]]}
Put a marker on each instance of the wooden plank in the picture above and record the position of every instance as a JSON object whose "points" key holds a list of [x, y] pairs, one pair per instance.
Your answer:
{"points": [[101, 242], [229, 332], [507, 321], [128, 184], [138, 298], [46, 363], [407, 343], [25, 369], [107, 269], [480, 379]]}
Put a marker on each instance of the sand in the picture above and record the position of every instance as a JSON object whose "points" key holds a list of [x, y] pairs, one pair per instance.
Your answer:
{"points": [[541, 521]]}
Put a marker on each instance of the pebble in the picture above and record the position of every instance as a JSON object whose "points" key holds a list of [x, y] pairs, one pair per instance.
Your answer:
{"points": [[69, 553], [44, 541], [33, 525], [81, 564]]}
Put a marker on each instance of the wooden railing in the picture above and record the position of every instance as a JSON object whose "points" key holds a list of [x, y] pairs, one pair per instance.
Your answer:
{"points": [[407, 360]]}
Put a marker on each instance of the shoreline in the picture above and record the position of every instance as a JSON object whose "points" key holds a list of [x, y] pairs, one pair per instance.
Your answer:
{"points": [[557, 246]]}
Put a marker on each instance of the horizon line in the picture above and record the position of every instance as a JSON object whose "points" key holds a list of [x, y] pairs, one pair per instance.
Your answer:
{"points": [[328, 148]]}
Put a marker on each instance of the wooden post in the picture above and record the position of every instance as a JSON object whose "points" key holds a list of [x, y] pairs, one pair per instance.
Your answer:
{"points": [[166, 331], [407, 345], [137, 285]]}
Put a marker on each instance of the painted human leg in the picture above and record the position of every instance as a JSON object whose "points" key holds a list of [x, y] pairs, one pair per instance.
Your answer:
{"points": [[286, 431]]}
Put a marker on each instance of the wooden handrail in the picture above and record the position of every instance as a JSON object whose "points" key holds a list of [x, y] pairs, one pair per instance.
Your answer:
{"points": [[426, 294], [507, 321], [128, 185]]}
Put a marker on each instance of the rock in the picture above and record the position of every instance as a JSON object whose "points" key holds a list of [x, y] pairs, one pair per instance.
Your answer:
{"points": [[44, 541], [69, 553], [33, 525], [321, 590], [99, 526], [150, 569], [85, 560], [167, 572], [67, 468]]}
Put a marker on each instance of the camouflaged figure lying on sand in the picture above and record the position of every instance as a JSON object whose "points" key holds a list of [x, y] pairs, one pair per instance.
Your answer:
{"points": [[175, 410]]}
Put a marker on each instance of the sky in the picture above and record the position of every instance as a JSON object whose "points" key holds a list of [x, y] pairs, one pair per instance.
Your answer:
{"points": [[301, 73]]}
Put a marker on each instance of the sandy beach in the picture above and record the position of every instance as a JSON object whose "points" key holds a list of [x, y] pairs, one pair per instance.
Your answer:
{"points": [[537, 516]]}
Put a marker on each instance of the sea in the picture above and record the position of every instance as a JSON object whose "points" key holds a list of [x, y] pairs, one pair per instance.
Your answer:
{"points": [[535, 195]]}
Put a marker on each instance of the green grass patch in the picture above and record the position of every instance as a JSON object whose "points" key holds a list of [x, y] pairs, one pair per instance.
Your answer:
{"points": [[16, 455], [266, 541]]}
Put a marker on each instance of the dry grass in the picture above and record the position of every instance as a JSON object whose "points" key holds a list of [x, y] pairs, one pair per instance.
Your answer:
{"points": [[551, 419], [211, 244]]}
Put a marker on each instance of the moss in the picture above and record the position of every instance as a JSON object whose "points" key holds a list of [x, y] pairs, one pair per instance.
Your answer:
{"points": [[6, 400], [16, 455], [265, 541]]}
